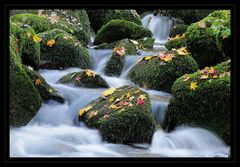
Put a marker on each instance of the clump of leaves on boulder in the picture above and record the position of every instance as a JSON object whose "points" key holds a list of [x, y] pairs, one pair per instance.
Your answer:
{"points": [[86, 78], [202, 99], [122, 115], [176, 42], [160, 72]]}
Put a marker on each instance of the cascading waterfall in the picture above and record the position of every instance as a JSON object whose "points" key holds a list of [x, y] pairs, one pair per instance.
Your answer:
{"points": [[160, 27], [55, 131]]}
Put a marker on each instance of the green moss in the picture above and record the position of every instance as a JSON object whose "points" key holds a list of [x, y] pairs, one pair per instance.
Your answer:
{"points": [[24, 99], [178, 43], [160, 75], [28, 49], [126, 124], [38, 23], [44, 89], [100, 17], [179, 29], [146, 43], [208, 106], [81, 79], [205, 44], [120, 29], [114, 65], [66, 52]]}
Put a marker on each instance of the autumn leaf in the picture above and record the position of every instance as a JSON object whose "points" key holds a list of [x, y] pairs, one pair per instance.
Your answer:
{"points": [[108, 92], [166, 57], [83, 110], [186, 78], [123, 109], [222, 75], [141, 102], [214, 76], [128, 95], [51, 42], [37, 39], [53, 19], [148, 57], [114, 107], [90, 73], [111, 100], [91, 114], [28, 34], [202, 24], [38, 81], [77, 79], [106, 116], [50, 90], [131, 98], [133, 41], [143, 97], [119, 51], [119, 99], [40, 12], [182, 51], [204, 76], [140, 46], [130, 105], [193, 85], [137, 91]]}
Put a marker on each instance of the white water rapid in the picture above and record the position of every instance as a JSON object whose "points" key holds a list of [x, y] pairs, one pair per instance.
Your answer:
{"points": [[160, 27], [55, 131]]}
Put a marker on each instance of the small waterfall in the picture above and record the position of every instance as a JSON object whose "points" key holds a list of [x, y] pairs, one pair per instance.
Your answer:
{"points": [[99, 58], [188, 142], [160, 27]]}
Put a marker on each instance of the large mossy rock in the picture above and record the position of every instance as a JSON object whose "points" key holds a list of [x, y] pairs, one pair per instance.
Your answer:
{"points": [[120, 29], [86, 78], [24, 99], [189, 16], [178, 29], [114, 65], [207, 104], [100, 17], [28, 49], [205, 38], [44, 89], [160, 72], [75, 22], [60, 50], [122, 115]]}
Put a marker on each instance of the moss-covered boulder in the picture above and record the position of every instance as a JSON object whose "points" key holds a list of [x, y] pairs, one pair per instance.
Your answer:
{"points": [[44, 89], [160, 72], [205, 38], [36, 22], [100, 17], [146, 43], [202, 99], [122, 115], [75, 22], [120, 29], [189, 16], [24, 100], [178, 29], [60, 50], [28, 49], [86, 78], [176, 42]]}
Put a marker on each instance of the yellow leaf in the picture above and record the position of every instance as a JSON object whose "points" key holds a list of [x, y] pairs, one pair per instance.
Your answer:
{"points": [[137, 91], [38, 81], [108, 92], [187, 78], [148, 57], [28, 34], [143, 97], [193, 85], [90, 73], [121, 110], [83, 110], [37, 39], [204, 76], [182, 51], [50, 90], [131, 98], [111, 100], [215, 76], [134, 42], [114, 107], [128, 95], [51, 42]]}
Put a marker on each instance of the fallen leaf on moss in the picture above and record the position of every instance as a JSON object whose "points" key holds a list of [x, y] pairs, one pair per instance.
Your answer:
{"points": [[193, 85], [121, 110], [128, 95], [143, 97], [148, 57], [204, 76], [114, 107], [131, 98], [50, 90], [108, 92], [40, 12], [130, 105], [51, 42], [202, 24], [83, 110], [119, 51], [182, 51], [37, 39], [187, 77], [38, 81], [134, 41], [77, 79], [141, 102], [106, 116], [28, 34], [111, 100], [90, 73]]}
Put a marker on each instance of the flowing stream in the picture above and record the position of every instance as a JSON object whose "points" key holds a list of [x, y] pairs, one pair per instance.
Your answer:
{"points": [[55, 131]]}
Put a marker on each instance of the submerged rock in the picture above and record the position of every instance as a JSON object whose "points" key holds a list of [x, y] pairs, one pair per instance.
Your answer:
{"points": [[202, 99], [122, 115], [86, 78]]}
